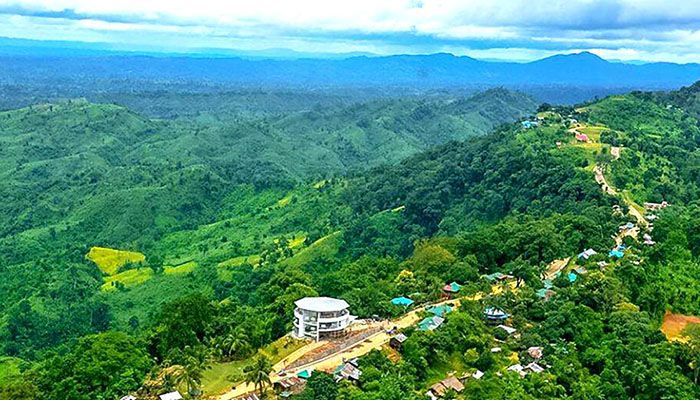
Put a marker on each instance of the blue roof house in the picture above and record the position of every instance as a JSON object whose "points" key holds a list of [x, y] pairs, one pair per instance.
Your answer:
{"points": [[440, 310], [401, 301]]}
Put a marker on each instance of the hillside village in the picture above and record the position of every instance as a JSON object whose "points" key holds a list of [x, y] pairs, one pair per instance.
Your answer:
{"points": [[331, 341]]}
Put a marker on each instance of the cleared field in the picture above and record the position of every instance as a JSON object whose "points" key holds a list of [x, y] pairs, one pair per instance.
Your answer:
{"points": [[128, 278], [237, 261], [181, 269], [673, 325], [109, 260], [593, 132]]}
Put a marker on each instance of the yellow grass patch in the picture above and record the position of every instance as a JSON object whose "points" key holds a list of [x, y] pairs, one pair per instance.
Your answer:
{"points": [[320, 184], [180, 269], [673, 325], [109, 260], [240, 260], [128, 278], [399, 209], [297, 242], [284, 201]]}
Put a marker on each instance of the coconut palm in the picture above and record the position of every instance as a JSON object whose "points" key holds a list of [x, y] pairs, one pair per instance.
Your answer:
{"points": [[234, 344], [196, 361], [259, 373]]}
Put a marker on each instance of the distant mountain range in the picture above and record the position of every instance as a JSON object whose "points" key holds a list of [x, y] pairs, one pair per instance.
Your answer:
{"points": [[52, 68]]}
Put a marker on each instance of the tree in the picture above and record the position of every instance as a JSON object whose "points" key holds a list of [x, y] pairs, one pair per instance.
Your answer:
{"points": [[692, 332], [234, 344], [322, 386], [259, 373], [105, 365]]}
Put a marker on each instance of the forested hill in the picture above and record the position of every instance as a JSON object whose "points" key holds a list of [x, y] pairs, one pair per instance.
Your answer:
{"points": [[220, 248], [112, 176]]}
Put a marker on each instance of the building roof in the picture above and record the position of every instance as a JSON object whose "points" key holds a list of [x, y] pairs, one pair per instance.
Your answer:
{"points": [[534, 367], [453, 287], [348, 371], [400, 338], [509, 329], [128, 397], [495, 313], [616, 254], [249, 396], [535, 352], [430, 323], [587, 253], [478, 374], [305, 374], [440, 310], [321, 304], [452, 383], [401, 301], [290, 382], [582, 137], [171, 396]]}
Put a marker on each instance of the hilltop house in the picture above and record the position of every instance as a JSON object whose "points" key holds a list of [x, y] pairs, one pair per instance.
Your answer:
{"points": [[289, 386], [497, 276], [656, 206], [495, 315], [440, 310], [582, 137], [171, 396], [508, 329], [349, 371], [396, 342], [626, 227], [451, 289], [249, 396], [401, 301], [321, 317], [529, 124], [586, 254], [439, 389], [430, 323], [648, 240], [535, 352]]}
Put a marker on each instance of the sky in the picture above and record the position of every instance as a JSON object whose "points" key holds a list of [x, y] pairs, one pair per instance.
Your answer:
{"points": [[515, 30]]}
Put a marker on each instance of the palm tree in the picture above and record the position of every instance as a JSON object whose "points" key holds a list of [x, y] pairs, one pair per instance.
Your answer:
{"points": [[234, 344], [196, 361], [258, 373]]}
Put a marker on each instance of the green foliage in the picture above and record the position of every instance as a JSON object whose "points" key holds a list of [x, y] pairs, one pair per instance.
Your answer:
{"points": [[103, 366]]}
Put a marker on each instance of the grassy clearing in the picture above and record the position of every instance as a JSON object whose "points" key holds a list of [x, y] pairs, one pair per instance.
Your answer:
{"points": [[128, 278], [592, 131], [222, 376], [326, 246], [238, 261], [181, 269], [109, 260], [454, 363]]}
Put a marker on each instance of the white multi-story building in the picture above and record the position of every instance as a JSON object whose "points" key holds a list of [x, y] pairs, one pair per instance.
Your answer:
{"points": [[321, 317]]}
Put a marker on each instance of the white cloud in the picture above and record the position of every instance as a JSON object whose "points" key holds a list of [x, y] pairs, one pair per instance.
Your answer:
{"points": [[482, 27]]}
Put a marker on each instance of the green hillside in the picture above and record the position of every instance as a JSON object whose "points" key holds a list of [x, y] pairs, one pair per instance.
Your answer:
{"points": [[238, 220]]}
